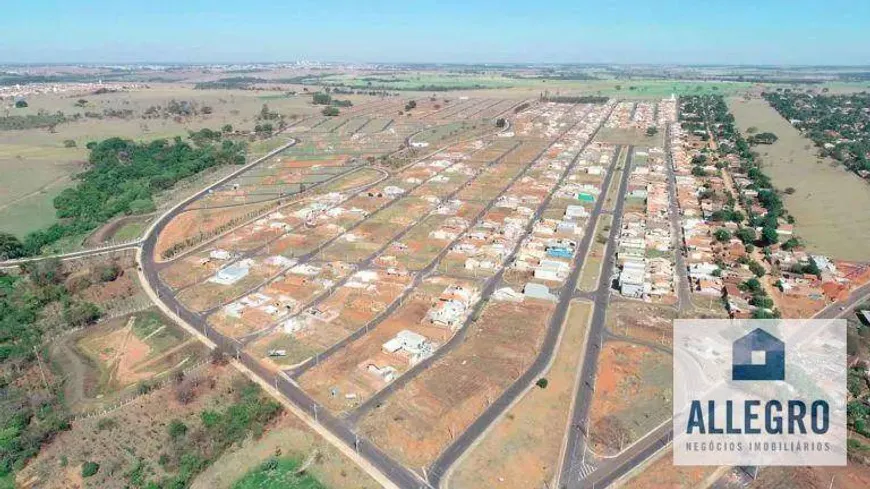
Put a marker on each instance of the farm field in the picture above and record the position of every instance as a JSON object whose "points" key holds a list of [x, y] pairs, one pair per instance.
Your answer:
{"points": [[825, 194], [522, 448], [487, 84], [26, 203]]}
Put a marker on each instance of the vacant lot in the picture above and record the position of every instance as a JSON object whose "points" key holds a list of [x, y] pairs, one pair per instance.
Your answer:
{"points": [[628, 371], [521, 451], [647, 322], [630, 136], [825, 197], [418, 421], [663, 474]]}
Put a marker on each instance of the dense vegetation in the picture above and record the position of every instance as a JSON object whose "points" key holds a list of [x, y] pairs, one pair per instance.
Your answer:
{"points": [[707, 114], [122, 178], [192, 449], [39, 120], [33, 305], [838, 124]]}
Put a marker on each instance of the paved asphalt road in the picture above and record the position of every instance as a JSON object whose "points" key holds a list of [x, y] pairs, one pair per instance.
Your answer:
{"points": [[362, 265], [418, 277], [455, 450], [339, 428], [394, 471], [488, 289], [684, 292], [609, 470], [576, 446]]}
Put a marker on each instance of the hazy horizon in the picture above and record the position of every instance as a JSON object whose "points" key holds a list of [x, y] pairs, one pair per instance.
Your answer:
{"points": [[778, 32]]}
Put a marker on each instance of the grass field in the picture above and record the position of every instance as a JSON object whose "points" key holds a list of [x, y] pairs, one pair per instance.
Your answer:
{"points": [[31, 179], [826, 196], [493, 82], [36, 166]]}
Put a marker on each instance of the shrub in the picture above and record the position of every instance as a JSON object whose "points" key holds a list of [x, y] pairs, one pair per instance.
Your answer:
{"points": [[176, 429], [90, 468], [69, 143], [109, 273]]}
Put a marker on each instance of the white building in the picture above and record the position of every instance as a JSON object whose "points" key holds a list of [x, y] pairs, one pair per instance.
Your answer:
{"points": [[414, 346], [552, 270]]}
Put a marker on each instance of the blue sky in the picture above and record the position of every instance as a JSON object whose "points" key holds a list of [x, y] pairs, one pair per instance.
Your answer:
{"points": [[613, 31]]}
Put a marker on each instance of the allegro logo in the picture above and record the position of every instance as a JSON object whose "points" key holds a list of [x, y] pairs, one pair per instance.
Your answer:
{"points": [[739, 399], [758, 356]]}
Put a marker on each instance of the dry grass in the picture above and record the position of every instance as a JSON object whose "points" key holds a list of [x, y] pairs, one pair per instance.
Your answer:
{"points": [[628, 371], [418, 421], [826, 195], [289, 438], [521, 451]]}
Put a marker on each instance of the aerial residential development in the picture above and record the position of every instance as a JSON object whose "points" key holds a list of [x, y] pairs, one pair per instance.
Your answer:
{"points": [[485, 268]]}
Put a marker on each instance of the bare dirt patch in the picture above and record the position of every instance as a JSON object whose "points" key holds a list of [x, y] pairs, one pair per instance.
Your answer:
{"points": [[416, 423], [628, 371]]}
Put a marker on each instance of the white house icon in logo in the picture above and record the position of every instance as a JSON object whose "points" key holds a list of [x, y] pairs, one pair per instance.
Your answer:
{"points": [[758, 356]]}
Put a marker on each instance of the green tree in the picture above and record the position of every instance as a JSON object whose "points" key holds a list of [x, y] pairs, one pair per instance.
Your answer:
{"points": [[757, 268], [722, 235], [321, 98], [746, 235], [769, 235], [10, 247]]}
